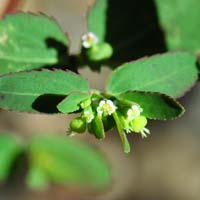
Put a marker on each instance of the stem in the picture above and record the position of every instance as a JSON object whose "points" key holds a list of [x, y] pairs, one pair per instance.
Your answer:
{"points": [[122, 134]]}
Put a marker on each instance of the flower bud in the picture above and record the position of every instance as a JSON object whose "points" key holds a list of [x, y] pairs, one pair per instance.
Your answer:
{"points": [[86, 103]]}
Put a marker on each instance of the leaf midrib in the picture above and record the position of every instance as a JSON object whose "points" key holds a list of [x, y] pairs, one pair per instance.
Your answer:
{"points": [[20, 94]]}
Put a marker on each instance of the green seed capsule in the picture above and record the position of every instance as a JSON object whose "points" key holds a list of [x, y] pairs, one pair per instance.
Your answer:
{"points": [[138, 124], [100, 52], [78, 125]]}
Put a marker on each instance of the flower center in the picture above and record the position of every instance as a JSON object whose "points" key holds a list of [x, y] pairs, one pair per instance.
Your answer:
{"points": [[106, 107], [89, 39]]}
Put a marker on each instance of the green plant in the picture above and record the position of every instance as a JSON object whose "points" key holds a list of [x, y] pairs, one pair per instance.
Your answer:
{"points": [[35, 78]]}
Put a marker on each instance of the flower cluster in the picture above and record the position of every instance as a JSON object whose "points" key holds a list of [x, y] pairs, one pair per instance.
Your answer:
{"points": [[133, 121], [97, 112]]}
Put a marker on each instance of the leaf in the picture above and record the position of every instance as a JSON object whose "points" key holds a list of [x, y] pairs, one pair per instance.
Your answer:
{"points": [[97, 19], [29, 91], [154, 105], [29, 41], [180, 22], [69, 162], [122, 134], [36, 178], [10, 147], [71, 103], [131, 28], [171, 73]]}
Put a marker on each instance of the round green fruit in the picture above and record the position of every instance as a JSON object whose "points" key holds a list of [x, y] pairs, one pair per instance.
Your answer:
{"points": [[78, 125], [100, 52], [138, 124]]}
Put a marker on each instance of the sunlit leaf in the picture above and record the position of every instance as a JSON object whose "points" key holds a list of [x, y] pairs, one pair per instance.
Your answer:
{"points": [[72, 102], [29, 41], [180, 22], [170, 73], [34, 91]]}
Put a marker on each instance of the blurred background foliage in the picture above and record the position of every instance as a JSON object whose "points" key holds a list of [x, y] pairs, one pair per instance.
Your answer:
{"points": [[166, 165]]}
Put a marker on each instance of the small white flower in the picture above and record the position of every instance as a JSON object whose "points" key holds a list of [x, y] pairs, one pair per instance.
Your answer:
{"points": [[89, 116], [89, 39], [107, 107], [144, 133], [134, 112]]}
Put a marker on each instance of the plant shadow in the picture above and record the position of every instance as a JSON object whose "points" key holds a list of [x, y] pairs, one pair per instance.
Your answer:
{"points": [[47, 103], [64, 60]]}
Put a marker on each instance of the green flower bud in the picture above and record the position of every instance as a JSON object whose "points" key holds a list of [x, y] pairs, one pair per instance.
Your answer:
{"points": [[139, 124], [78, 125], [100, 52], [86, 103]]}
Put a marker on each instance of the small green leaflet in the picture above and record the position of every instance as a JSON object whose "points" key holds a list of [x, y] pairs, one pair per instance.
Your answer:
{"points": [[180, 22], [154, 105], [29, 41], [10, 148], [65, 161], [22, 91], [172, 74], [72, 102]]}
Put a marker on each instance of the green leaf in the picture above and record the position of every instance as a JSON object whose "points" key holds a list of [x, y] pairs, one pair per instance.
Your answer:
{"points": [[154, 105], [97, 19], [66, 161], [171, 73], [10, 148], [36, 178], [29, 91], [72, 102], [180, 22], [29, 41], [122, 134]]}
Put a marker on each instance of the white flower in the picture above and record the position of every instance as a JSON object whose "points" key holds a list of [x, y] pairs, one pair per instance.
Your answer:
{"points": [[88, 115], [89, 39], [134, 112], [144, 132], [106, 107]]}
